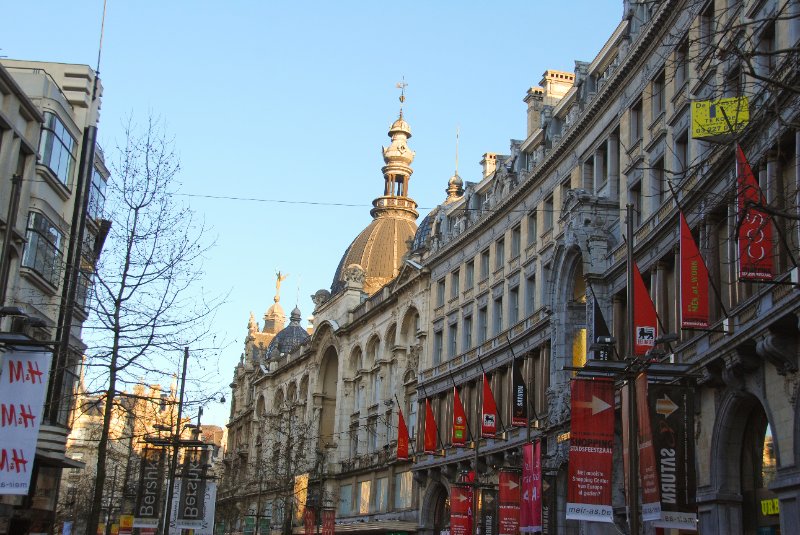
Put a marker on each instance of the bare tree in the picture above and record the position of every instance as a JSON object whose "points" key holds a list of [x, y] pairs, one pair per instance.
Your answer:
{"points": [[147, 302]]}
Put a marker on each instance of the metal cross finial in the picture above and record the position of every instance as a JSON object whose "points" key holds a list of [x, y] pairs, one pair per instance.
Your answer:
{"points": [[401, 85]]}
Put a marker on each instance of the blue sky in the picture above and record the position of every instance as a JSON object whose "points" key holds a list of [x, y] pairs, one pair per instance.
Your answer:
{"points": [[291, 101]]}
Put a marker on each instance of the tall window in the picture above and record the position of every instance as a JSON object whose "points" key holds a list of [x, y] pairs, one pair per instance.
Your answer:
{"points": [[635, 198], [381, 494], [97, 195], [57, 148], [548, 213], [707, 28], [43, 250], [483, 324], [681, 152], [454, 284], [363, 497], [658, 99], [469, 275], [636, 125], [440, 293], [345, 500], [530, 295], [516, 238], [532, 227], [513, 306], [467, 333], [681, 65], [499, 253], [497, 314], [437, 347], [659, 183], [485, 264], [452, 340], [402, 490]]}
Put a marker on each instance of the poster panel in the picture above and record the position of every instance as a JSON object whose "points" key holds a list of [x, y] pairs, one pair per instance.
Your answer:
{"points": [[509, 497]]}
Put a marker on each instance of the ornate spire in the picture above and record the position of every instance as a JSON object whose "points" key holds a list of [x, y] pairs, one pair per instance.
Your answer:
{"points": [[252, 326], [455, 186], [397, 169], [281, 277]]}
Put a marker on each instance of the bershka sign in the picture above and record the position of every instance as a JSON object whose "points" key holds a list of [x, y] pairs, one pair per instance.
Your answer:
{"points": [[206, 525], [672, 417], [590, 451], [23, 383], [147, 509], [191, 507]]}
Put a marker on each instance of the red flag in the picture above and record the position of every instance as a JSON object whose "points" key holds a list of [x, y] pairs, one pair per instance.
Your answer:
{"points": [[755, 228], [645, 320], [694, 281], [531, 513], [402, 438], [489, 411], [431, 431], [459, 437]]}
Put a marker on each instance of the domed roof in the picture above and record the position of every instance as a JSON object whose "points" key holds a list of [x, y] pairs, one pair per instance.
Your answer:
{"points": [[379, 250], [289, 338], [424, 231]]}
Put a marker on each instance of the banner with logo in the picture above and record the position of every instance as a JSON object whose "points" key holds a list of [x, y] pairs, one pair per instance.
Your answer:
{"points": [[531, 513], [645, 319], [460, 510], [402, 437], [651, 504], [147, 509], [519, 401], [125, 524], [693, 281], [459, 434], [487, 511], [328, 521], [191, 504], [431, 431], [23, 385], [672, 417], [755, 225], [590, 451], [509, 497], [206, 525], [488, 411], [599, 329]]}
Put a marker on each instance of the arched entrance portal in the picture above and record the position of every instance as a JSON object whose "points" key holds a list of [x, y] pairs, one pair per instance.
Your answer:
{"points": [[435, 515], [744, 464]]}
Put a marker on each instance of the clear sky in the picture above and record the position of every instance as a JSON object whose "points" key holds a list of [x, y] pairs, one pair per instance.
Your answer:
{"points": [[291, 101]]}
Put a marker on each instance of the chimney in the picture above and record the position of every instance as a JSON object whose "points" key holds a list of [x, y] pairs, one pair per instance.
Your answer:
{"points": [[489, 163], [534, 99]]}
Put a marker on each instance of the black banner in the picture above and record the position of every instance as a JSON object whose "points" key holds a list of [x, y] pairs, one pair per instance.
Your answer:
{"points": [[191, 503], [672, 420], [599, 330], [487, 511], [148, 494], [519, 406], [548, 503]]}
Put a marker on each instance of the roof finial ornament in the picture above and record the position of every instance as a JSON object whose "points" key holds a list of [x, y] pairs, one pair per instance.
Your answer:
{"points": [[401, 85], [281, 277]]}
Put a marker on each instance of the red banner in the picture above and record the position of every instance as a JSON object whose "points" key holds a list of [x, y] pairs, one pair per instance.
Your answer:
{"points": [[402, 438], [531, 513], [459, 435], [488, 412], [308, 520], [460, 510], [755, 226], [648, 476], [645, 319], [591, 451], [694, 281], [431, 432], [509, 499], [328, 521]]}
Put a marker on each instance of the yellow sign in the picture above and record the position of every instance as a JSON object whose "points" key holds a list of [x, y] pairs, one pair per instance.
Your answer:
{"points": [[717, 117], [770, 507], [125, 521]]}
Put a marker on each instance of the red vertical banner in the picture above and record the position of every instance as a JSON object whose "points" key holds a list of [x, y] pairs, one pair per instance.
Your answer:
{"points": [[431, 432], [459, 435], [328, 521], [488, 411], [402, 437], [308, 521], [693, 281], [648, 475], [755, 225], [591, 451], [645, 319], [460, 510], [509, 501], [531, 513]]}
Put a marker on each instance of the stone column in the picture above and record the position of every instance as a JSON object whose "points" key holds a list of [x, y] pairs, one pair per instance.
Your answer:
{"points": [[612, 149], [787, 486]]}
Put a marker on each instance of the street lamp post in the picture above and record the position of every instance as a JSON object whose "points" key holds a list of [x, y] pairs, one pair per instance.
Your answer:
{"points": [[173, 465]]}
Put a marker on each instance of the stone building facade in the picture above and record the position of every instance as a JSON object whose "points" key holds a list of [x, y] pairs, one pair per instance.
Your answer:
{"points": [[516, 265]]}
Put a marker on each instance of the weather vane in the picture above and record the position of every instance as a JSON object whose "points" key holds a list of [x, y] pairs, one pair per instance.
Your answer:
{"points": [[401, 85]]}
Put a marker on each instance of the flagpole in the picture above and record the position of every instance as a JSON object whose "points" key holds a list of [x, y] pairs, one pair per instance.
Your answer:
{"points": [[633, 450]]}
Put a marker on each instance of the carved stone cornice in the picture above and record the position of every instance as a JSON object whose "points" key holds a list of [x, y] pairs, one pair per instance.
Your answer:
{"points": [[778, 345]]}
